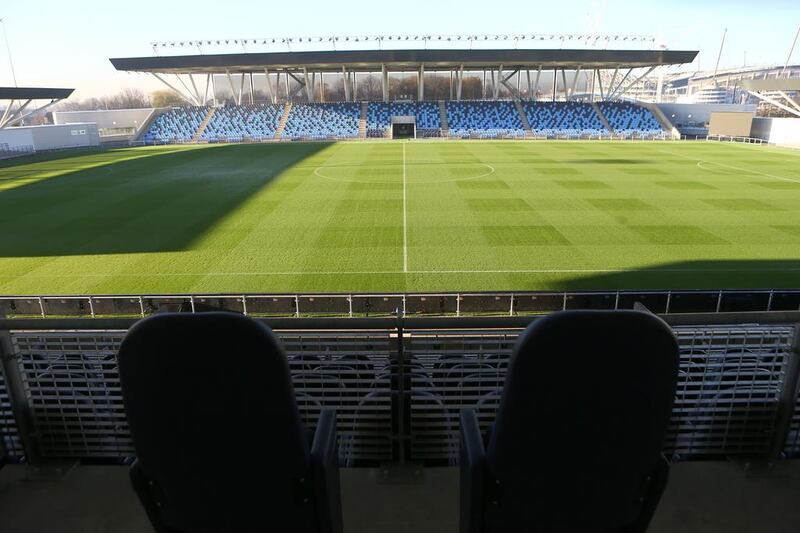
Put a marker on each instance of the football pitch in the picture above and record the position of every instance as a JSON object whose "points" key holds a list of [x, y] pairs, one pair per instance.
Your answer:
{"points": [[418, 216]]}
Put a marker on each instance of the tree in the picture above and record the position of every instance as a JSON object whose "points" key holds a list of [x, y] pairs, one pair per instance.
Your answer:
{"points": [[125, 99], [166, 98]]}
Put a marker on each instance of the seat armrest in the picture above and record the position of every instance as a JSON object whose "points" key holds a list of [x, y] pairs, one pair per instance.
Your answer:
{"points": [[652, 496], [325, 469], [146, 493], [472, 466]]}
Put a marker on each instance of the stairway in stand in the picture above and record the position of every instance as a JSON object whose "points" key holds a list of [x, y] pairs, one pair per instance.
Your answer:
{"points": [[602, 118], [202, 127], [523, 117], [287, 108], [443, 119], [362, 121]]}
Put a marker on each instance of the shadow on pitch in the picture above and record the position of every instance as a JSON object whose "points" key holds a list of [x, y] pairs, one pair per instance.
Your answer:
{"points": [[700, 274], [156, 203]]}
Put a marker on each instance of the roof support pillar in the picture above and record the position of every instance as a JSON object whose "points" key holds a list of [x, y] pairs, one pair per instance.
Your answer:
{"points": [[252, 89], [536, 88], [179, 93], [385, 82], [514, 92], [208, 82], [555, 83], [497, 83], [10, 118], [230, 82], [6, 113], [528, 72], [309, 85], [600, 84], [346, 82], [270, 94], [214, 89], [768, 100], [241, 89], [421, 84], [564, 79], [196, 93], [620, 91], [574, 82], [460, 82]]}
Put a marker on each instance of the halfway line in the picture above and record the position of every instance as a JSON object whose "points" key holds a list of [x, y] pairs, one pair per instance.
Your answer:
{"points": [[405, 216]]}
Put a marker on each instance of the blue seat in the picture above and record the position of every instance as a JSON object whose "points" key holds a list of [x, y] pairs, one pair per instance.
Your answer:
{"points": [[179, 124], [217, 432], [236, 123], [563, 119], [631, 120], [323, 121], [483, 119], [608, 377]]}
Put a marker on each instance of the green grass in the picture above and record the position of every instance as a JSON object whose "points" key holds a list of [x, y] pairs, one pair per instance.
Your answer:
{"points": [[395, 216]]}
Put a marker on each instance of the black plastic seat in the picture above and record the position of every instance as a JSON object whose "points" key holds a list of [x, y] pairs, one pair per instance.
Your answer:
{"points": [[215, 425], [576, 445]]}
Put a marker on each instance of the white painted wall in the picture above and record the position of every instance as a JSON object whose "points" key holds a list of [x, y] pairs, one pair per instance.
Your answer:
{"points": [[784, 131], [112, 119], [49, 137]]}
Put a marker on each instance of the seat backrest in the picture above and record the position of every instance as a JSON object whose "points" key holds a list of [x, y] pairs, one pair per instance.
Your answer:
{"points": [[214, 421], [582, 421]]}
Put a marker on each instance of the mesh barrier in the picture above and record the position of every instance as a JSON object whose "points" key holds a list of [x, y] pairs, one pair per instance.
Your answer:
{"points": [[793, 440], [726, 402], [72, 383], [8, 428]]}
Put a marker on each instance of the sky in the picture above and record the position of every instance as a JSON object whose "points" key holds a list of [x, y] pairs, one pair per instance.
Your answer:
{"points": [[67, 44]]}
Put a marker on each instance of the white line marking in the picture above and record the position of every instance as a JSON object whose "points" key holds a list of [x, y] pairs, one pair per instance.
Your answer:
{"points": [[317, 172], [655, 270], [405, 215], [749, 171], [740, 169]]}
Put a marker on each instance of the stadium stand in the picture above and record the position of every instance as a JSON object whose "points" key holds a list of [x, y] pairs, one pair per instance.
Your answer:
{"points": [[379, 117], [483, 119], [235, 123], [563, 119], [514, 484], [629, 119], [323, 121], [176, 125], [277, 475]]}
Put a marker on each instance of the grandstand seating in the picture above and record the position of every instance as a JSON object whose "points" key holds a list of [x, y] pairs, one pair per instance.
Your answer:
{"points": [[630, 119], [235, 123], [379, 117], [483, 119], [178, 124], [323, 121], [560, 119]]}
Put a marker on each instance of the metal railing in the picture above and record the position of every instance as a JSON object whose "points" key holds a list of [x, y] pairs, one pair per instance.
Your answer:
{"points": [[409, 304], [398, 384]]}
